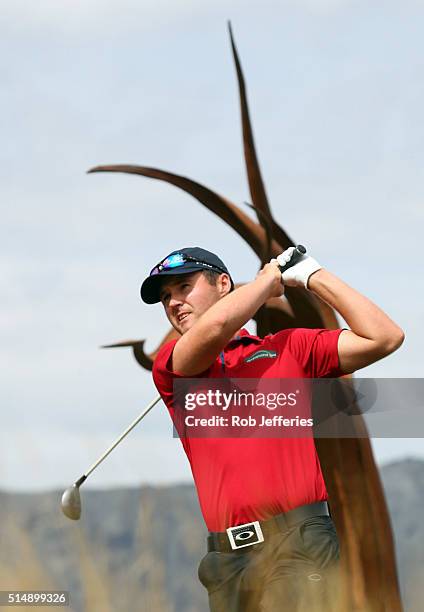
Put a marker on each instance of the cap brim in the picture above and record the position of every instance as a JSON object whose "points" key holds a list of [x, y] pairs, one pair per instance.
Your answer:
{"points": [[150, 288]]}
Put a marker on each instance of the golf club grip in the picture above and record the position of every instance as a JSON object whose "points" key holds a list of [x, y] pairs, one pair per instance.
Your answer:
{"points": [[296, 255]]}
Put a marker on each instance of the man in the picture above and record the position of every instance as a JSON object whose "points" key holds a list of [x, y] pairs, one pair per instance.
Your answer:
{"points": [[269, 492]]}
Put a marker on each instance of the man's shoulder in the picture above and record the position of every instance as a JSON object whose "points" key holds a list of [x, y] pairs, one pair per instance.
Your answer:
{"points": [[163, 355], [283, 335], [244, 333], [245, 337]]}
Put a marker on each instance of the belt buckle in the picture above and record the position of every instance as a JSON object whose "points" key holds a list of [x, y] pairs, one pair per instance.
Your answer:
{"points": [[245, 535]]}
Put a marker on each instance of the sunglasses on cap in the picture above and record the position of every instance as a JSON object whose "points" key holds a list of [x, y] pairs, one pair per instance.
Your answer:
{"points": [[177, 260]]}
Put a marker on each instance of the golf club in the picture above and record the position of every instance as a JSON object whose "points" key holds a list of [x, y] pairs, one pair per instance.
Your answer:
{"points": [[71, 499]]}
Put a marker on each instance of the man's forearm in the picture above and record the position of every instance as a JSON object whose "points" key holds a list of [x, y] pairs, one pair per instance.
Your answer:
{"points": [[364, 317], [198, 348], [234, 310]]}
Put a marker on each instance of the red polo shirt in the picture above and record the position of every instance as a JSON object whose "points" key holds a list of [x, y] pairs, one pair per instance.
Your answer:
{"points": [[245, 479]]}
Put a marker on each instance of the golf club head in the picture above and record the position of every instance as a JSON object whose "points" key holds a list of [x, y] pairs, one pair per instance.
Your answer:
{"points": [[71, 503]]}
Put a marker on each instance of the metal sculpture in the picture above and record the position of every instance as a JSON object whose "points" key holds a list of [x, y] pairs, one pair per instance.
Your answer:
{"points": [[357, 500]]}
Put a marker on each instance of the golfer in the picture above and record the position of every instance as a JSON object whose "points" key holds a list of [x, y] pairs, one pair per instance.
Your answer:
{"points": [[272, 542]]}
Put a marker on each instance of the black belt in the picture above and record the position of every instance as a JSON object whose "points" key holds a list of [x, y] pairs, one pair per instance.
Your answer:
{"points": [[249, 533]]}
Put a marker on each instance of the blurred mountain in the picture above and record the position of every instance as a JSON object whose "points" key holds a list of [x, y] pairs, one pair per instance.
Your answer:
{"points": [[139, 549], [403, 482]]}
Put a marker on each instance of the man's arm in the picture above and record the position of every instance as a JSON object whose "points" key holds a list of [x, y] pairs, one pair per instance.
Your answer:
{"points": [[198, 348], [372, 335]]}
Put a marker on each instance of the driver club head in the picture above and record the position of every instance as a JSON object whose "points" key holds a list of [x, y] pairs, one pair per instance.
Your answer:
{"points": [[71, 502]]}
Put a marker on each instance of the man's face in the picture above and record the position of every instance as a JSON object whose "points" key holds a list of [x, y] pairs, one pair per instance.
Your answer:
{"points": [[186, 297]]}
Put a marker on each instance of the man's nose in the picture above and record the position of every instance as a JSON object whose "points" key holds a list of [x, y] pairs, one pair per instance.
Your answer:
{"points": [[174, 300]]}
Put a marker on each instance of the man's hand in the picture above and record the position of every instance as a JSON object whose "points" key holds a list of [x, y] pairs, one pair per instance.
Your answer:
{"points": [[272, 271], [298, 275]]}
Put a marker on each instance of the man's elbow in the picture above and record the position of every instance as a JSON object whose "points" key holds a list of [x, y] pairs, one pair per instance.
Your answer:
{"points": [[394, 341]]}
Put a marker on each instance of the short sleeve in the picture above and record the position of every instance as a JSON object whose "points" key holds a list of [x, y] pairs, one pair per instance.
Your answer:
{"points": [[162, 373], [164, 376], [316, 351]]}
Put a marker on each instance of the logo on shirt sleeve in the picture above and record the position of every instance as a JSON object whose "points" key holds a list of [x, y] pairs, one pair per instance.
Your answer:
{"points": [[262, 354]]}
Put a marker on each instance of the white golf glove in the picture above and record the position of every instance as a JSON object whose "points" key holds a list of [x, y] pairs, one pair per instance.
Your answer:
{"points": [[298, 275]]}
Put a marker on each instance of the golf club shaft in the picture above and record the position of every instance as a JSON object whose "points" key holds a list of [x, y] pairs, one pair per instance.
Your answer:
{"points": [[118, 440]]}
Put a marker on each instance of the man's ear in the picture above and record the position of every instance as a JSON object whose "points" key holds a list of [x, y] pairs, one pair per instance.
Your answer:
{"points": [[224, 284]]}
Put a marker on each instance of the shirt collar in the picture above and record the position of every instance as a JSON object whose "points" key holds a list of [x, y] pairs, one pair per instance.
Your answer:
{"points": [[245, 338]]}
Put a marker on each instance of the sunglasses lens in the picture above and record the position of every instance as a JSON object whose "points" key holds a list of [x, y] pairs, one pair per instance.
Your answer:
{"points": [[173, 261]]}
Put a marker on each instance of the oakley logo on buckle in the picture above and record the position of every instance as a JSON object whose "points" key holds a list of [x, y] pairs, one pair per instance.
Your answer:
{"points": [[245, 535]]}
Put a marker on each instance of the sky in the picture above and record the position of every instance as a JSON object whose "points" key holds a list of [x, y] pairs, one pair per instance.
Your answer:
{"points": [[336, 95]]}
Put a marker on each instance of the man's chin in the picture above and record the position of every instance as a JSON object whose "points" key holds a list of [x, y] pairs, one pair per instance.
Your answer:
{"points": [[183, 327]]}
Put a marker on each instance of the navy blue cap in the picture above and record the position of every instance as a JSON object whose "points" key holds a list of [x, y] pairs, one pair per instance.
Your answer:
{"points": [[200, 259]]}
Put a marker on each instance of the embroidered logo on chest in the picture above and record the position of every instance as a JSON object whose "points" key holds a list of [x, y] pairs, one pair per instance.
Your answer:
{"points": [[261, 355]]}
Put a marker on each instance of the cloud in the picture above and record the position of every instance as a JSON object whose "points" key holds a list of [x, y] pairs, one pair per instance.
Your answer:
{"points": [[338, 135], [43, 460], [101, 16]]}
